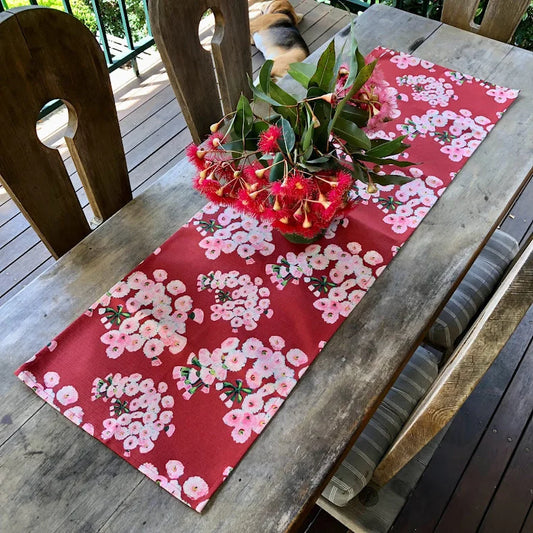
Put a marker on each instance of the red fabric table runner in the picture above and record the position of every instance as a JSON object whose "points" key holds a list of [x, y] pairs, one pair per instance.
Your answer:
{"points": [[179, 366]]}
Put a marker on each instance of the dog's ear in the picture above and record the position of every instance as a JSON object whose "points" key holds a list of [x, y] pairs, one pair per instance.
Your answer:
{"points": [[299, 17]]}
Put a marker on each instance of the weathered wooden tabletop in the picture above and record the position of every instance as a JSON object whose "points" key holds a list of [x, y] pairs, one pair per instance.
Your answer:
{"points": [[55, 477]]}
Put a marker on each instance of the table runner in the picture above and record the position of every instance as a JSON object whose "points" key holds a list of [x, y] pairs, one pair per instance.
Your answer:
{"points": [[182, 363]]}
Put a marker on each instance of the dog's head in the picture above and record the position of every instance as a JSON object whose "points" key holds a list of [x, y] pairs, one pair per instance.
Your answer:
{"points": [[284, 7]]}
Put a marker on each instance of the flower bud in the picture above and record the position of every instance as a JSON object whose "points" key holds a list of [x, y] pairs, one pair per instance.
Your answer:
{"points": [[316, 122], [306, 224], [327, 97], [260, 172], [371, 188], [200, 153], [343, 71], [284, 220], [220, 191], [276, 206], [214, 127], [216, 142], [376, 169], [237, 174]]}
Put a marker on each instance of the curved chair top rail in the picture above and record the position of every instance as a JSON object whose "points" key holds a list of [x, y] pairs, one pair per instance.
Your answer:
{"points": [[190, 67], [499, 22], [47, 54]]}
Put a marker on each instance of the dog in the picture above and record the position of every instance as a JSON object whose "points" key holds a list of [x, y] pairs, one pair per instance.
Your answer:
{"points": [[273, 31]]}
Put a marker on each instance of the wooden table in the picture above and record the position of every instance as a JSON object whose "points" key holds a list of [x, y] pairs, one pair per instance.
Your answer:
{"points": [[56, 477]]}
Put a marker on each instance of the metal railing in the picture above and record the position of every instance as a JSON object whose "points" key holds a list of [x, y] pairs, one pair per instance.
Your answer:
{"points": [[131, 47]]}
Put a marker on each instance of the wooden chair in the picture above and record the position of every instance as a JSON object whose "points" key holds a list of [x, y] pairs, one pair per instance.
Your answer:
{"points": [[466, 366], [499, 21], [47, 54], [190, 68]]}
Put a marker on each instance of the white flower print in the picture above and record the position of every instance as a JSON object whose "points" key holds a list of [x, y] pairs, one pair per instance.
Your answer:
{"points": [[153, 318], [139, 411], [225, 230], [239, 299]]}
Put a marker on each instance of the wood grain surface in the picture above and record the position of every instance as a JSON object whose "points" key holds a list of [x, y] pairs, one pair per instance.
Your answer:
{"points": [[499, 21], [38, 69], [190, 66], [283, 472]]}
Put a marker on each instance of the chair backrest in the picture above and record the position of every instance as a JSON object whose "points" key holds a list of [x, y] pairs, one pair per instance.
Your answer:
{"points": [[499, 21], [47, 54], [189, 66]]}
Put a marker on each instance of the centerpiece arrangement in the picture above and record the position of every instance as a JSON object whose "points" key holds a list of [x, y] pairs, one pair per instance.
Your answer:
{"points": [[294, 159]]}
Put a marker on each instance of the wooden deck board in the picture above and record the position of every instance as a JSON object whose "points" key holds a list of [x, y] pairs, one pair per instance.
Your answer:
{"points": [[154, 136]]}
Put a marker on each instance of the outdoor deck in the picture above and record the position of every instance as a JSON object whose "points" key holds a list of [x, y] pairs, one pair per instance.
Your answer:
{"points": [[155, 137]]}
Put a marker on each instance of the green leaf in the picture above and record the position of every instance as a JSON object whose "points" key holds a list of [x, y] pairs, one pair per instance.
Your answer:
{"points": [[355, 114], [324, 70], [389, 179], [288, 138], [322, 111], [384, 161], [302, 72], [238, 147], [259, 127], [265, 76], [388, 148], [259, 93], [278, 168], [244, 118], [307, 136], [352, 134]]}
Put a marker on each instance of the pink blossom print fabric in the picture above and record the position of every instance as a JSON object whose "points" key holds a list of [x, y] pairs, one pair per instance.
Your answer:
{"points": [[179, 367]]}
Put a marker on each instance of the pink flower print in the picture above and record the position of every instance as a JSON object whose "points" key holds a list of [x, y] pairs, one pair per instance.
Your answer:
{"points": [[176, 287], [277, 342], [120, 290], [160, 274], [284, 386], [354, 247], [174, 469], [399, 224], [296, 357], [264, 368], [133, 305], [135, 281], [89, 428], [152, 349], [128, 326], [235, 360], [373, 258], [434, 182], [240, 434], [454, 153], [183, 304], [167, 402], [134, 342], [67, 395], [233, 418], [272, 406], [176, 343], [149, 470], [52, 345], [130, 443], [502, 94], [252, 403], [253, 378], [231, 343], [337, 294], [51, 379], [261, 420], [74, 414], [318, 262], [404, 60]]}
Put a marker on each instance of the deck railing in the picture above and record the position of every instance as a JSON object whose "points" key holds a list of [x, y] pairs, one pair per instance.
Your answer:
{"points": [[128, 49]]}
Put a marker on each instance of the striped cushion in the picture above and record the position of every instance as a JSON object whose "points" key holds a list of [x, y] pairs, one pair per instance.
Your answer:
{"points": [[356, 470], [473, 291]]}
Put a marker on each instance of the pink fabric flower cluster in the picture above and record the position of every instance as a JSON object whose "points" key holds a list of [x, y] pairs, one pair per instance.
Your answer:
{"points": [[376, 97]]}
